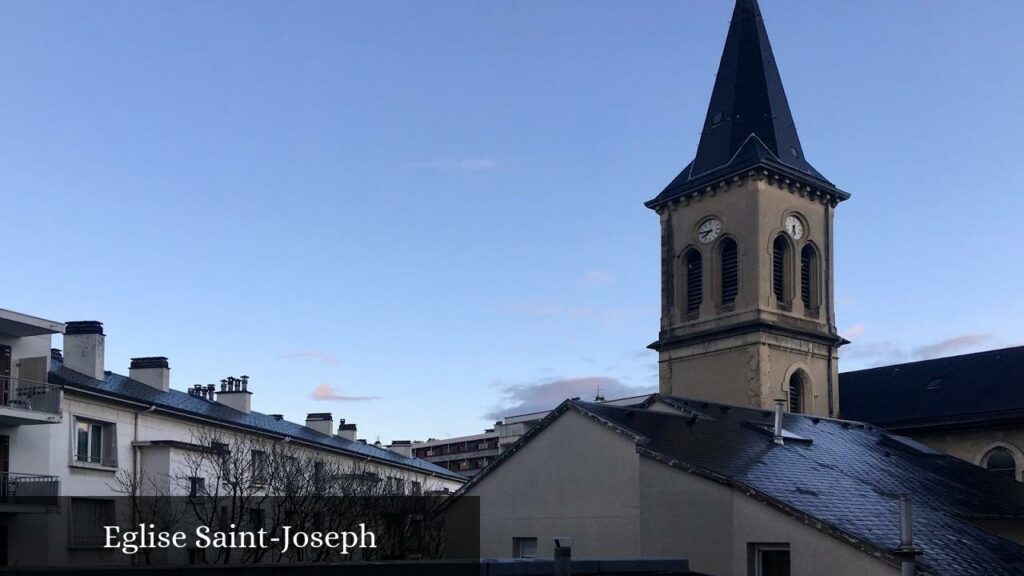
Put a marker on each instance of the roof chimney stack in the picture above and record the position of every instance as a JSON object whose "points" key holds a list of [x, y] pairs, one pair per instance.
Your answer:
{"points": [[154, 371], [83, 348], [777, 427], [322, 422], [346, 431], [401, 447], [234, 393]]}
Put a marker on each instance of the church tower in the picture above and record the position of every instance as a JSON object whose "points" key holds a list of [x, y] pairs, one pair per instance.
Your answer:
{"points": [[746, 228]]}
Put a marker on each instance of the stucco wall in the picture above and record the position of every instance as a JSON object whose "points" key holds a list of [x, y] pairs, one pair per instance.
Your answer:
{"points": [[712, 525], [577, 478], [973, 445]]}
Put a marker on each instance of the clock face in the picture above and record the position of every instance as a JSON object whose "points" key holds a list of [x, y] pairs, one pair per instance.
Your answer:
{"points": [[795, 227], [709, 230]]}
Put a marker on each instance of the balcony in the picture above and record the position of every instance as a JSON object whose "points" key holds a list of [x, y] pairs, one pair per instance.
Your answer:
{"points": [[24, 402], [28, 492]]}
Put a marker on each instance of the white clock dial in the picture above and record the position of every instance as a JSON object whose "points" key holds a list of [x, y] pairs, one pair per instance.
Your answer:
{"points": [[709, 230], [795, 227]]}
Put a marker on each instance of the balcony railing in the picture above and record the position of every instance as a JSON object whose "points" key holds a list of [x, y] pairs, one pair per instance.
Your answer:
{"points": [[29, 395], [29, 489]]}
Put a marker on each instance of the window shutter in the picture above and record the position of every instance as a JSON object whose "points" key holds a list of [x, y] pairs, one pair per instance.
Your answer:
{"points": [[779, 249], [694, 282], [730, 271], [796, 394], [808, 277]]}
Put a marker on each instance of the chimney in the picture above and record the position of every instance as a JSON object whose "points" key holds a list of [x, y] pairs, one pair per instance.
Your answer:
{"points": [[234, 393], [347, 431], [154, 371], [401, 447], [322, 422], [907, 552], [83, 348], [777, 427], [204, 392]]}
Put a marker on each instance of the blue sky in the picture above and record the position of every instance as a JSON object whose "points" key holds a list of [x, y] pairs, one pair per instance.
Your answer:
{"points": [[431, 212]]}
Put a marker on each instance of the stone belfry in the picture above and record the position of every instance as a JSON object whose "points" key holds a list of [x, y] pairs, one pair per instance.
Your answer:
{"points": [[747, 296]]}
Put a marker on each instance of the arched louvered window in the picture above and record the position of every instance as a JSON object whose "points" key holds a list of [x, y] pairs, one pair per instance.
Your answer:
{"points": [[796, 393], [809, 279], [694, 281], [780, 257], [1001, 461], [730, 273]]}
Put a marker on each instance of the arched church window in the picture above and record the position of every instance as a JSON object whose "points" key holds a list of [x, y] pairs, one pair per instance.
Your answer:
{"points": [[1001, 461], [796, 393], [809, 279], [694, 281], [730, 271], [780, 258]]}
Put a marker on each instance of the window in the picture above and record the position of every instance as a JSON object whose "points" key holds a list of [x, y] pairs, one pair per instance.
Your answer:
{"points": [[524, 547], [729, 271], [224, 452], [809, 279], [796, 393], [88, 517], [416, 488], [1001, 461], [768, 559], [259, 466], [394, 485], [780, 258], [256, 518], [694, 282], [319, 478], [196, 486], [95, 442]]}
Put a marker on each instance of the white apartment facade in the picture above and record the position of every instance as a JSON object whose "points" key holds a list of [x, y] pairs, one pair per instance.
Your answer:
{"points": [[70, 428]]}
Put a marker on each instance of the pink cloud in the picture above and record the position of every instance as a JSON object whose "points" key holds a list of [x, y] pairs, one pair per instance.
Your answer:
{"points": [[328, 393]]}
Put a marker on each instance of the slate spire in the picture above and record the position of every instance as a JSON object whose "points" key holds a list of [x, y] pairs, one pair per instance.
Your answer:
{"points": [[748, 120]]}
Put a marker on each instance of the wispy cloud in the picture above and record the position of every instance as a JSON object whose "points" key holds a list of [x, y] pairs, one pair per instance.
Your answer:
{"points": [[329, 393], [950, 346], [853, 332], [528, 398], [325, 357], [596, 278], [459, 164], [882, 353]]}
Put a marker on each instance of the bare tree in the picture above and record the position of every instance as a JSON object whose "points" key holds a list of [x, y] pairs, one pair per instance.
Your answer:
{"points": [[250, 482]]}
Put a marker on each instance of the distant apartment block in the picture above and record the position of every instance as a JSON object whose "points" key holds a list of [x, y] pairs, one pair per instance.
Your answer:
{"points": [[469, 455]]}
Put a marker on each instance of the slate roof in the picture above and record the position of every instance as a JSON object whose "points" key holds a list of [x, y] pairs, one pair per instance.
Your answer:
{"points": [[119, 387], [844, 479], [749, 122], [978, 389]]}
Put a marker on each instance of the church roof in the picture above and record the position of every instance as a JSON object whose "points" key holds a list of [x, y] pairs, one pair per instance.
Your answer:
{"points": [[983, 388], [748, 122], [843, 478]]}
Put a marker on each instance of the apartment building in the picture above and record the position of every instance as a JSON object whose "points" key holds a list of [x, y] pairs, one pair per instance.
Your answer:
{"points": [[70, 427], [466, 455], [470, 455]]}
